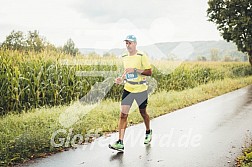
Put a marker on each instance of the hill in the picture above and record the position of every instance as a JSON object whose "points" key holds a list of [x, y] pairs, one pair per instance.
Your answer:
{"points": [[195, 50]]}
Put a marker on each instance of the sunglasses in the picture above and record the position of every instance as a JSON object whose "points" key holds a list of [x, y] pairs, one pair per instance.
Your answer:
{"points": [[128, 43]]}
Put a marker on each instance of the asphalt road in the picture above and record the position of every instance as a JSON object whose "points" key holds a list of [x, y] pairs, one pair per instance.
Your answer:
{"points": [[208, 134]]}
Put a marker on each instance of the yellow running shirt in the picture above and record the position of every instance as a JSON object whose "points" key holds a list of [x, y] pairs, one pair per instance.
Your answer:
{"points": [[138, 61]]}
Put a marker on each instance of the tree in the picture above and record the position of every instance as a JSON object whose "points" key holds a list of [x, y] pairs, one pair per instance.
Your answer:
{"points": [[35, 42], [69, 48], [227, 59], [30, 42], [201, 58], [14, 41], [50, 47], [214, 54], [233, 19]]}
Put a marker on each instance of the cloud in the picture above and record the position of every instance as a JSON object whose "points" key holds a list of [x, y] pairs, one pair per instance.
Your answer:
{"points": [[96, 23], [139, 12]]}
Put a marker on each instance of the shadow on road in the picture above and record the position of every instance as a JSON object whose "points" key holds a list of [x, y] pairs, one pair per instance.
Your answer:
{"points": [[117, 157]]}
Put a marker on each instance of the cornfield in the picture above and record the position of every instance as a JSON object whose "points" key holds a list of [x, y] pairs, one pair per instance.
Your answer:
{"points": [[31, 80]]}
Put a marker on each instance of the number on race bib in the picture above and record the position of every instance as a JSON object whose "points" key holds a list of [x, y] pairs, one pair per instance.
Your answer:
{"points": [[131, 76]]}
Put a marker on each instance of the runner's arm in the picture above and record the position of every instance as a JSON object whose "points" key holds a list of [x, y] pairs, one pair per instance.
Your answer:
{"points": [[146, 72]]}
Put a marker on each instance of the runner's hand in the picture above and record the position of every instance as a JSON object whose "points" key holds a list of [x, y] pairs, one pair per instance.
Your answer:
{"points": [[119, 80]]}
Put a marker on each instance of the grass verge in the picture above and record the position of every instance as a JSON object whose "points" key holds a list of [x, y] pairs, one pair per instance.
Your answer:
{"points": [[28, 135], [245, 160]]}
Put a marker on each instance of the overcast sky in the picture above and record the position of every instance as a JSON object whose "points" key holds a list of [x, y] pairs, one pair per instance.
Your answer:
{"points": [[105, 23]]}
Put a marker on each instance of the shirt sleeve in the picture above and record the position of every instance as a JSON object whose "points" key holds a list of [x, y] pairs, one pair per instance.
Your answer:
{"points": [[146, 62]]}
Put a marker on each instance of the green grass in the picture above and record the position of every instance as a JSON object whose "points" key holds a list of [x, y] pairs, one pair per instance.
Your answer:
{"points": [[27, 135], [245, 160]]}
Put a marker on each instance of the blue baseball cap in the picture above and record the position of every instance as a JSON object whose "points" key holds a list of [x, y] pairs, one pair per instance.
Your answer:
{"points": [[131, 38]]}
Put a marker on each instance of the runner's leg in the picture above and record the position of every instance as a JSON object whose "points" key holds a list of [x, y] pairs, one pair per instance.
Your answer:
{"points": [[123, 120], [127, 100], [142, 101]]}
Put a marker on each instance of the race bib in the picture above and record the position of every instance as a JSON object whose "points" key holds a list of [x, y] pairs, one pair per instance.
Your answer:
{"points": [[131, 76]]}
